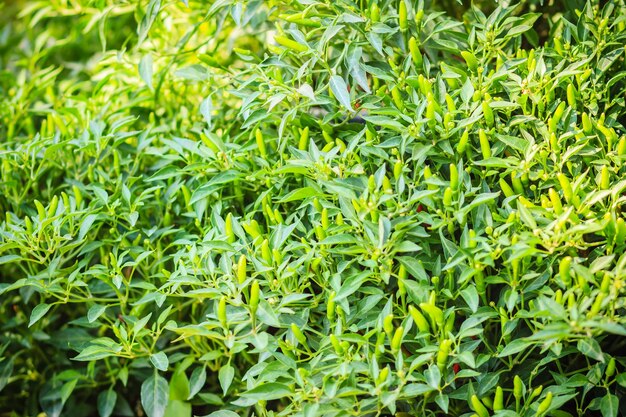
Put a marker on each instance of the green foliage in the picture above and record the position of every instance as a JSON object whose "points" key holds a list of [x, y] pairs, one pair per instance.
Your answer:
{"points": [[303, 208]]}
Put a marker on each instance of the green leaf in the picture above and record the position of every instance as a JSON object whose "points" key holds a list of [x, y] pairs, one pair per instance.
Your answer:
{"points": [[160, 361], [268, 392], [6, 370], [609, 405], [154, 395], [197, 381], [95, 312], [340, 90], [38, 312], [106, 402], [590, 348], [145, 70], [226, 375]]}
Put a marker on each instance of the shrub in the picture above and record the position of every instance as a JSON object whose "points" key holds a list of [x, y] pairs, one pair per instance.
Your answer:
{"points": [[312, 208]]}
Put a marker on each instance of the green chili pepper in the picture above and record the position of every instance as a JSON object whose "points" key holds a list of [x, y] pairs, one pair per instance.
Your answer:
{"points": [[416, 54], [221, 312], [447, 197], [478, 407], [254, 297], [419, 319], [290, 44], [462, 145], [374, 13], [330, 307], [484, 144], [587, 124], [303, 144], [454, 177], [556, 201], [260, 142], [299, 335], [498, 399], [443, 353], [545, 404], [488, 113], [470, 59], [396, 341], [506, 188], [571, 95], [610, 368], [605, 179], [564, 270], [402, 16], [241, 269]]}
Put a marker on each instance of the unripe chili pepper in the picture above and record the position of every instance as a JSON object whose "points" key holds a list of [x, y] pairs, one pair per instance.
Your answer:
{"points": [[620, 234], [424, 84], [571, 95], [374, 13], [536, 392], [587, 124], [396, 341], [485, 148], [416, 54], [397, 169], [336, 345], [221, 312], [397, 97], [419, 319], [470, 60], [518, 391], [431, 110], [566, 186], [454, 177], [382, 376], [450, 104], [621, 146], [556, 201], [488, 113], [260, 142], [254, 297], [462, 145], [252, 228], [564, 270], [266, 254], [605, 179], [228, 226], [419, 15], [241, 269], [278, 216], [434, 312], [52, 206], [545, 404], [506, 189], [498, 399], [330, 307], [402, 16], [339, 219], [597, 305], [28, 224], [478, 407], [41, 211], [290, 44], [303, 144], [443, 353], [388, 325], [299, 335], [610, 368], [447, 197]]}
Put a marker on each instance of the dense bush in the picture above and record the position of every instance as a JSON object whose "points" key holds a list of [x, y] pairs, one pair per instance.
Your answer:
{"points": [[302, 208]]}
